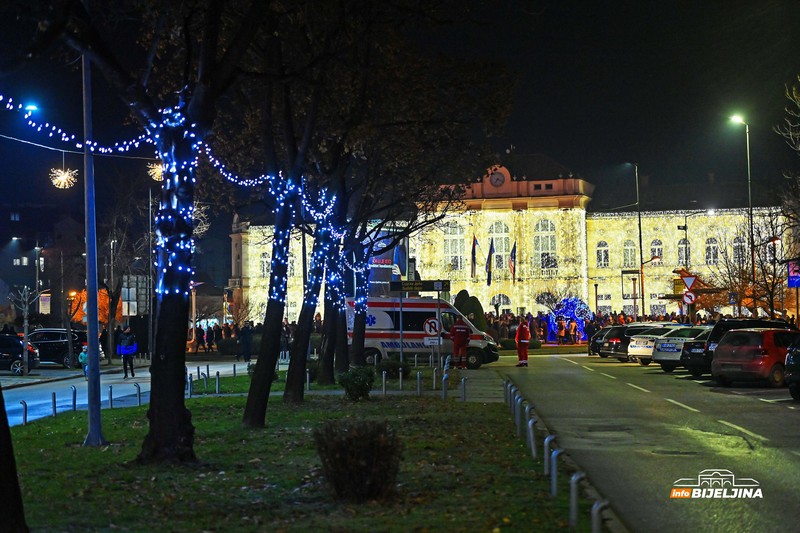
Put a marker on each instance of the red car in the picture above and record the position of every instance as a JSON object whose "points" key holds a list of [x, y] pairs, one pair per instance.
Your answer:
{"points": [[752, 354]]}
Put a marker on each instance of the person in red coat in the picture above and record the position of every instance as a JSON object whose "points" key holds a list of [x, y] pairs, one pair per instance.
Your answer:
{"points": [[459, 334], [523, 338]]}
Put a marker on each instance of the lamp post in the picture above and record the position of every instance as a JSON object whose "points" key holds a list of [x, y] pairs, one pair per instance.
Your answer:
{"points": [[685, 228], [641, 276], [641, 248], [740, 120]]}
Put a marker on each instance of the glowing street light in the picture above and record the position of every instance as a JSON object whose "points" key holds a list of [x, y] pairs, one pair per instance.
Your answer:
{"points": [[740, 120]]}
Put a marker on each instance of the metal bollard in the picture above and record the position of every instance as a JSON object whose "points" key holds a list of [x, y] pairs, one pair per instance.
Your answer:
{"points": [[110, 397], [546, 454], [597, 519], [198, 372], [24, 412], [573, 498], [419, 383], [217, 387], [445, 377], [463, 389], [532, 437], [138, 394], [383, 378], [205, 381], [528, 409], [208, 370], [308, 379], [74, 397], [415, 361], [512, 397], [234, 369], [554, 471], [54, 404], [434, 378], [518, 412], [191, 384], [400, 378]]}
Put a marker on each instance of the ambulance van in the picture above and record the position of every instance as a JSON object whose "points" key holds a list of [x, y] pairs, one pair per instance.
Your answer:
{"points": [[420, 321]]}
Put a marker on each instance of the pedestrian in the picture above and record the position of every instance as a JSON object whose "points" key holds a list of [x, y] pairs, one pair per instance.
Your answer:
{"points": [[561, 330], [573, 331], [210, 338], [523, 338], [104, 340], [126, 347], [459, 334], [286, 339], [246, 341], [83, 359], [200, 338]]}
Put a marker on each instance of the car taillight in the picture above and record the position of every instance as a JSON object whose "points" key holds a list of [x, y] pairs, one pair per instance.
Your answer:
{"points": [[84, 344], [31, 348], [614, 339]]}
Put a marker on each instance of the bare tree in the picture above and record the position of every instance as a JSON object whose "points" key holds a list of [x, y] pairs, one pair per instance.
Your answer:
{"points": [[553, 294]]}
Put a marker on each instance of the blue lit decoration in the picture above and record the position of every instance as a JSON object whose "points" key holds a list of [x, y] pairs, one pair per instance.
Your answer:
{"points": [[285, 193], [321, 213], [570, 308], [334, 279], [360, 268]]}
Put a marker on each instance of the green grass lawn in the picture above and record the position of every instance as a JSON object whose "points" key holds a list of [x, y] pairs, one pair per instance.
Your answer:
{"points": [[463, 469]]}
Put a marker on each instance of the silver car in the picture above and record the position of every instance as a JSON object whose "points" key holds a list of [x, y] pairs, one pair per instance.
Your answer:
{"points": [[667, 350]]}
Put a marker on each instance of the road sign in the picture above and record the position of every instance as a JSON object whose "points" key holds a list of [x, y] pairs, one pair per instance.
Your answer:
{"points": [[431, 326], [732, 297], [431, 341], [689, 297], [420, 285], [689, 281]]}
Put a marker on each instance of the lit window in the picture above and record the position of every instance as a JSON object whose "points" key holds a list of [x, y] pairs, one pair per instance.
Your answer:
{"points": [[502, 245], [684, 252], [739, 251], [712, 251], [544, 245], [602, 254], [265, 264], [628, 254], [656, 249], [454, 246]]}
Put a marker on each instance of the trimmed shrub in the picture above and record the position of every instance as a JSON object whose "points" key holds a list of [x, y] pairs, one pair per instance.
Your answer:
{"points": [[360, 458], [227, 346], [393, 367], [357, 382], [508, 344]]}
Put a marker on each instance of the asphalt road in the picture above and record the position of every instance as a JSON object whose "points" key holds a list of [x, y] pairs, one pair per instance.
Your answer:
{"points": [[636, 430]]}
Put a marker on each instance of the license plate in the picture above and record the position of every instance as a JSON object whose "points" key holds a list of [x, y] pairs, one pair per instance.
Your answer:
{"points": [[696, 350], [731, 367], [712, 346], [668, 347]]}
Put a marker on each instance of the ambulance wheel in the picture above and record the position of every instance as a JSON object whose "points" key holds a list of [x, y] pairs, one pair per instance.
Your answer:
{"points": [[474, 359], [372, 356]]}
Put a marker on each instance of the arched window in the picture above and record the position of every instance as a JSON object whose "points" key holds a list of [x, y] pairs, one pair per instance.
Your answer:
{"points": [[290, 266], [502, 246], [739, 251], [628, 254], [712, 251], [544, 247], [684, 252], [266, 264], [454, 246], [602, 254], [656, 249]]}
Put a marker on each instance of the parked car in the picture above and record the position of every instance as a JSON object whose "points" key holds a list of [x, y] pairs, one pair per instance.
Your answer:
{"points": [[597, 340], [792, 370], [11, 355], [667, 351], [749, 354], [615, 344], [700, 363], [640, 348], [53, 347]]}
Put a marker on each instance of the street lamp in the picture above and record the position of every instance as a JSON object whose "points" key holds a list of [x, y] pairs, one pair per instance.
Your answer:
{"points": [[641, 248], [641, 277], [685, 228], [740, 120]]}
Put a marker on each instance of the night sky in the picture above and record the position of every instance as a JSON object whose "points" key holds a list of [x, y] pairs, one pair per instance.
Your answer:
{"points": [[601, 83], [609, 82]]}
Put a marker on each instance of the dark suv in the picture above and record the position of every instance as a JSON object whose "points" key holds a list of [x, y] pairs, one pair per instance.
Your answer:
{"points": [[53, 347], [11, 355], [699, 362], [615, 343]]}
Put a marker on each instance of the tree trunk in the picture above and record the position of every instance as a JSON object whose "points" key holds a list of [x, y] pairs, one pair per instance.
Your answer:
{"points": [[10, 494], [255, 411], [342, 352], [171, 435], [296, 376], [325, 374], [360, 320]]}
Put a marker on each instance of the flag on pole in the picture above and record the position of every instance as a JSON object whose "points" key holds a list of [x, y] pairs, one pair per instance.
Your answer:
{"points": [[512, 263], [489, 263], [474, 257]]}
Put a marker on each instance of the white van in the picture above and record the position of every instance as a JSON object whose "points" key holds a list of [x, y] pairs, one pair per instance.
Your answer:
{"points": [[382, 335]]}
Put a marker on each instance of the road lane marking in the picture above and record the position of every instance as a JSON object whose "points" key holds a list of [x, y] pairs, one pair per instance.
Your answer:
{"points": [[679, 404], [779, 400], [587, 368], [743, 430], [608, 375], [795, 452], [568, 360], [636, 387]]}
